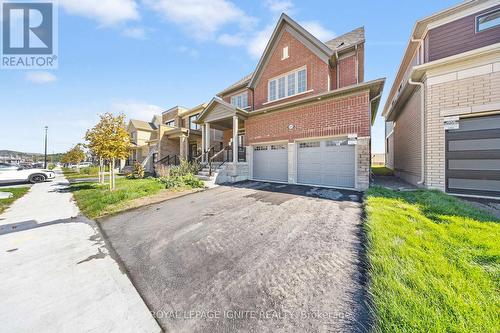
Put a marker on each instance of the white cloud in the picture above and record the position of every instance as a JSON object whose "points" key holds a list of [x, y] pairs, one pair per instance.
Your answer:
{"points": [[136, 110], [317, 30], [202, 18], [40, 77], [193, 53], [256, 42], [279, 6], [106, 12], [136, 32], [259, 41], [232, 40]]}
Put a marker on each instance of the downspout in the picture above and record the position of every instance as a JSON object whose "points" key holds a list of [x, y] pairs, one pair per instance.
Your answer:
{"points": [[370, 115], [337, 69], [422, 114]]}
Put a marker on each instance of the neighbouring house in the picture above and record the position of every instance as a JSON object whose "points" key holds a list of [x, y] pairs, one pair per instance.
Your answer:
{"points": [[303, 116], [443, 110], [144, 139], [180, 137]]}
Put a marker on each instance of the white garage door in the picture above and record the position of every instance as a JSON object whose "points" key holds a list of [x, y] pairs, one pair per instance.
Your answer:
{"points": [[326, 162], [270, 162]]}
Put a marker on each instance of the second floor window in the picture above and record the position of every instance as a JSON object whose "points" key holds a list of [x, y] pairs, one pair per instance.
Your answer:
{"points": [[192, 124], [170, 123], [240, 100], [287, 85], [488, 20]]}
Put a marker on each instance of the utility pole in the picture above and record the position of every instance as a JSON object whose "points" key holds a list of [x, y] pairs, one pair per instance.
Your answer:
{"points": [[45, 158]]}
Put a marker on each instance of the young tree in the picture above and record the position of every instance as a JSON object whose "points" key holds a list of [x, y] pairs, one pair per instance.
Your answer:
{"points": [[110, 140], [96, 139], [74, 156]]}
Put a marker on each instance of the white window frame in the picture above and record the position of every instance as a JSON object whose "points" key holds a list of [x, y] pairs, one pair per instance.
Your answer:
{"points": [[284, 76], [243, 100], [284, 53]]}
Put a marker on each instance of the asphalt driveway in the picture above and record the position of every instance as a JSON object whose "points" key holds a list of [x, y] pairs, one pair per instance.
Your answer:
{"points": [[255, 257]]}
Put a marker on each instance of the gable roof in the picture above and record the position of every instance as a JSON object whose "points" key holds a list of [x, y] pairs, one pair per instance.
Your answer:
{"points": [[329, 48], [323, 51], [347, 40], [219, 101], [143, 125], [243, 82]]}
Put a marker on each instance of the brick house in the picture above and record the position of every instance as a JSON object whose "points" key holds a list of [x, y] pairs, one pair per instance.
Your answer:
{"points": [[303, 116], [143, 137], [443, 111]]}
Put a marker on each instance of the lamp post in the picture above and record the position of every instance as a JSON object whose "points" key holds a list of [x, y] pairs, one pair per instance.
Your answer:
{"points": [[45, 158]]}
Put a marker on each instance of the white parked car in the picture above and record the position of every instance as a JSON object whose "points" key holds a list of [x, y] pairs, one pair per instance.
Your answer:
{"points": [[10, 173]]}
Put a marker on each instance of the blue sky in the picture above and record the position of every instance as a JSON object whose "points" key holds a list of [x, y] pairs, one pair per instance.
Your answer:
{"points": [[143, 56]]}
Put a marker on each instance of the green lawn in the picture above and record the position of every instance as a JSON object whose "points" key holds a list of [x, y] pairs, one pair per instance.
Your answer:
{"points": [[17, 193], [88, 172], [382, 171], [434, 263], [96, 200]]}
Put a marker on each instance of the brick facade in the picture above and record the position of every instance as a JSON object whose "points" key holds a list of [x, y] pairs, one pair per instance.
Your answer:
{"points": [[456, 93], [171, 115], [347, 71], [336, 116], [407, 142], [299, 55]]}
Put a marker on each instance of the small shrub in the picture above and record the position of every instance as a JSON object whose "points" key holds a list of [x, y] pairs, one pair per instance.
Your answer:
{"points": [[162, 171], [192, 181], [184, 168], [171, 182], [188, 180], [51, 166], [138, 172]]}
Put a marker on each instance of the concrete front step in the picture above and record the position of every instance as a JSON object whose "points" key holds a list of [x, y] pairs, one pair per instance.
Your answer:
{"points": [[205, 178]]}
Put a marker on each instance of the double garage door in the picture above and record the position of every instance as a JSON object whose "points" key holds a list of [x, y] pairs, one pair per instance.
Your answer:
{"points": [[473, 157], [320, 162]]}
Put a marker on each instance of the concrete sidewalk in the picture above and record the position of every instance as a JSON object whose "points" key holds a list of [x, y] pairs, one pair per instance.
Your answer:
{"points": [[56, 273]]}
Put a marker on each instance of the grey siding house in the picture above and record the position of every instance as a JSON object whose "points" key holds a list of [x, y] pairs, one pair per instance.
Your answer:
{"points": [[444, 106]]}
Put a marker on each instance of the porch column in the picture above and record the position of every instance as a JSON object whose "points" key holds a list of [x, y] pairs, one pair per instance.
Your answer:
{"points": [[203, 142], [183, 149], [207, 134], [235, 139]]}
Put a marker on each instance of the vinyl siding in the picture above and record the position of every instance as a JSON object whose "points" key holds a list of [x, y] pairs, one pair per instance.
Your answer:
{"points": [[460, 36]]}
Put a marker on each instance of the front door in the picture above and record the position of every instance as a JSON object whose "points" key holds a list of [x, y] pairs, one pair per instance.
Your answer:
{"points": [[192, 151]]}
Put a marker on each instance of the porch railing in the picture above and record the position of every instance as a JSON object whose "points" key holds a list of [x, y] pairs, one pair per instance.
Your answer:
{"points": [[169, 160], [225, 155]]}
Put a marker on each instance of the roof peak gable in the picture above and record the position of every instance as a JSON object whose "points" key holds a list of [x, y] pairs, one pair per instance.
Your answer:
{"points": [[304, 36]]}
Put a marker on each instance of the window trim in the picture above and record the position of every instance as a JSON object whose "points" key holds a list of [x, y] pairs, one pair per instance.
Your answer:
{"points": [[198, 126], [285, 76], [285, 55], [476, 21], [245, 92]]}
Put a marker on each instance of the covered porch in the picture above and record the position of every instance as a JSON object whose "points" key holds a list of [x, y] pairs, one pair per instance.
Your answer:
{"points": [[179, 143], [222, 116]]}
